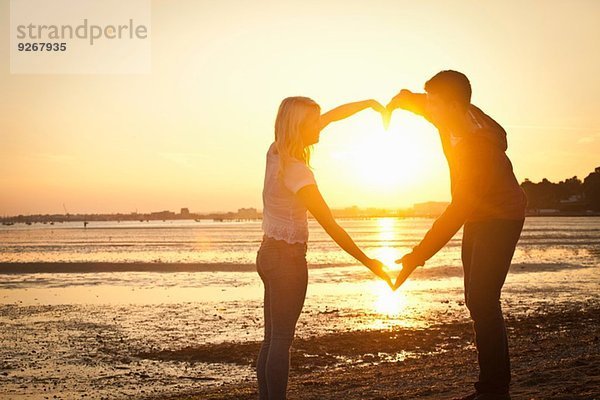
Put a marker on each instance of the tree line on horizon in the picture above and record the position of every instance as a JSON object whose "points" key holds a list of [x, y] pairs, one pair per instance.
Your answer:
{"points": [[572, 194]]}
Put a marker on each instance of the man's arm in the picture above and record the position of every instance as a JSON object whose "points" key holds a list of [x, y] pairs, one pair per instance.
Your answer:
{"points": [[465, 200], [469, 190]]}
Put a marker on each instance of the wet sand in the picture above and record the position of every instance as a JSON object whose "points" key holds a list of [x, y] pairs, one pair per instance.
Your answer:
{"points": [[62, 267], [555, 352], [129, 335]]}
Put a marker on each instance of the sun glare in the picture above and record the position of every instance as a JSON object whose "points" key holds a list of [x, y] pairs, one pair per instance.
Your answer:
{"points": [[380, 159]]}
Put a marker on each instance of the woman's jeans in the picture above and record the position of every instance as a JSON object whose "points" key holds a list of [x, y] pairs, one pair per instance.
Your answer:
{"points": [[283, 270]]}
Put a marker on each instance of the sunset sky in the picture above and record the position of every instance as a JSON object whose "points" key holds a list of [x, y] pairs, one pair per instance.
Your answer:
{"points": [[194, 132]]}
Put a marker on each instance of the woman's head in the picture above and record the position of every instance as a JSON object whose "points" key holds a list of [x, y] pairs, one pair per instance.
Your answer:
{"points": [[297, 127]]}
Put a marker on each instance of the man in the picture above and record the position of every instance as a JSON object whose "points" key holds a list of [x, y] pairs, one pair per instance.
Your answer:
{"points": [[488, 201]]}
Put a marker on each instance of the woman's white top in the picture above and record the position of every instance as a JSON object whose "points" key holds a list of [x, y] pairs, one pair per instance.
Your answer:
{"points": [[284, 216]]}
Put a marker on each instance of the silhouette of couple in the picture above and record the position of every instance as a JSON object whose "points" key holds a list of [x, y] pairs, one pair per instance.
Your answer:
{"points": [[486, 199]]}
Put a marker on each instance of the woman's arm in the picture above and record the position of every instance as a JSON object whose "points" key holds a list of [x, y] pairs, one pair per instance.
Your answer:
{"points": [[311, 197], [346, 110]]}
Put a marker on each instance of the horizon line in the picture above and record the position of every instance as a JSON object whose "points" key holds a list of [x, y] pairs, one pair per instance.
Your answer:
{"points": [[241, 209]]}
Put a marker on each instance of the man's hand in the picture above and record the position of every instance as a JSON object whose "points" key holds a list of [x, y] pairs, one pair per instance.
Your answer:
{"points": [[400, 100], [409, 264], [379, 269]]}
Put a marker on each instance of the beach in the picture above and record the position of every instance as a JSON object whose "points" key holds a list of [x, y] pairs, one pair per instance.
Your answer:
{"points": [[85, 316], [554, 352], [555, 355]]}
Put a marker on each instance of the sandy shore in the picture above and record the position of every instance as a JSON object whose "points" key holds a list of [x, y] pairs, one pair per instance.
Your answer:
{"points": [[555, 354]]}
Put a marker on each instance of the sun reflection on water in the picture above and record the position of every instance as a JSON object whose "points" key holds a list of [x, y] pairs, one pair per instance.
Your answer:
{"points": [[388, 232], [387, 302], [387, 229], [391, 308]]}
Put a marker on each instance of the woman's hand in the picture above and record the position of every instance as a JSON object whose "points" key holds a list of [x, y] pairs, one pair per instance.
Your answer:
{"points": [[378, 268], [385, 113], [375, 105]]}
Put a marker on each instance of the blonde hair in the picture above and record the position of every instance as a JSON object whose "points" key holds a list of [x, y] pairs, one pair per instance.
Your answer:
{"points": [[292, 113]]}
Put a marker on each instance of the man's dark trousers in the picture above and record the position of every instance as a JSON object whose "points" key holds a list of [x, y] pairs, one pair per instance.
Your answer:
{"points": [[487, 251]]}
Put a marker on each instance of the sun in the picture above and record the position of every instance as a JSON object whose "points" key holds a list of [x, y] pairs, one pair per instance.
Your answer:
{"points": [[379, 159]]}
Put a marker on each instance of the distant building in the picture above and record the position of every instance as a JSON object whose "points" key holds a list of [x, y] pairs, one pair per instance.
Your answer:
{"points": [[248, 213], [185, 212], [357, 212], [162, 214]]}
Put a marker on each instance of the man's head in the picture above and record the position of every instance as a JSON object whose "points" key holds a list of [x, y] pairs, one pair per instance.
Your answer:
{"points": [[448, 94]]}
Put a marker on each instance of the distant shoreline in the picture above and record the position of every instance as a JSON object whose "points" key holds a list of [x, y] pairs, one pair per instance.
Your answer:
{"points": [[9, 221]]}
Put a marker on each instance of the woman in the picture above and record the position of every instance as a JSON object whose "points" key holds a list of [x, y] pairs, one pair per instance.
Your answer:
{"points": [[289, 191]]}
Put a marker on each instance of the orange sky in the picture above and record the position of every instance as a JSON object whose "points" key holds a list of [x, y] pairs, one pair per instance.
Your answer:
{"points": [[193, 133]]}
